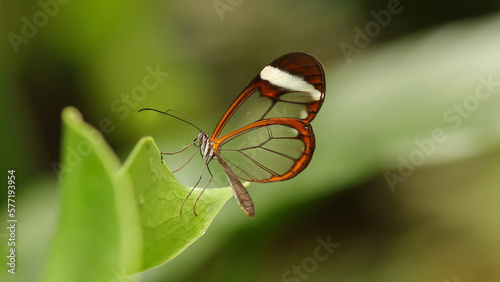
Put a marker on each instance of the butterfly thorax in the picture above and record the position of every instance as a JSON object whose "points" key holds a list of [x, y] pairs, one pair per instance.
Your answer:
{"points": [[206, 146]]}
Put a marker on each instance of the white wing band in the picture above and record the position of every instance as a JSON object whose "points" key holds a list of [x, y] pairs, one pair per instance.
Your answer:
{"points": [[290, 82]]}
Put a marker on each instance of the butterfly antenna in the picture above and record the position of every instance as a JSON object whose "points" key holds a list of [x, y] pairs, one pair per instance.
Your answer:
{"points": [[190, 122]]}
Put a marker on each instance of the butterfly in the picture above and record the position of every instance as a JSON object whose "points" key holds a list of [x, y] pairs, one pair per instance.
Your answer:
{"points": [[278, 142]]}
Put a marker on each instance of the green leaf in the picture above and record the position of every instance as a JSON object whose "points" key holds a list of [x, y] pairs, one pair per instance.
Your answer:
{"points": [[85, 247], [116, 221], [166, 233]]}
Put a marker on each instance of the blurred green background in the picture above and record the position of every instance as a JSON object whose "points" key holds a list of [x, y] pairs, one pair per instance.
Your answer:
{"points": [[402, 205]]}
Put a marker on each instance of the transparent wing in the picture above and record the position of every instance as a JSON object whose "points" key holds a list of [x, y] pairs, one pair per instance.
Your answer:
{"points": [[291, 86], [268, 150]]}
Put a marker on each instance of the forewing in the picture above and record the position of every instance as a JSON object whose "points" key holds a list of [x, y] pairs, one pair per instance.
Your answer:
{"points": [[291, 86], [268, 150]]}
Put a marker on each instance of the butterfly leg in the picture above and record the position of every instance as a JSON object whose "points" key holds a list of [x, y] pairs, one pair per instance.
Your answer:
{"points": [[173, 153], [174, 171], [181, 150], [197, 182], [211, 177]]}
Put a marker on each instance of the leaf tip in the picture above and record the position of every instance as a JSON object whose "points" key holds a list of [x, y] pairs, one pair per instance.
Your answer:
{"points": [[146, 139], [71, 113]]}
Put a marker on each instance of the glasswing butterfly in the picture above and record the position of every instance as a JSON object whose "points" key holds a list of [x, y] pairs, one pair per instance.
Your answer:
{"points": [[278, 143]]}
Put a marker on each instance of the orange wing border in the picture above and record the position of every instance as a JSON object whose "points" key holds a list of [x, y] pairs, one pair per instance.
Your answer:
{"points": [[305, 134], [303, 65]]}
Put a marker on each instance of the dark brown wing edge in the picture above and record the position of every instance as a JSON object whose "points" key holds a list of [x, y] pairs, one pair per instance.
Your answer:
{"points": [[300, 64]]}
